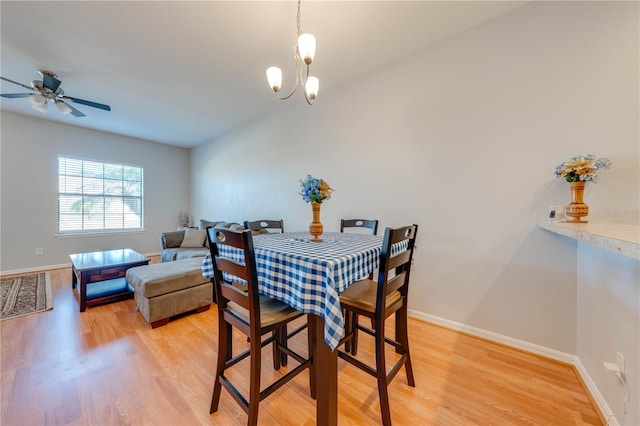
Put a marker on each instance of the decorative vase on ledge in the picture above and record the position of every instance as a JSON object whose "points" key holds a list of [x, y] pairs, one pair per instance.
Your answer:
{"points": [[576, 209], [316, 228]]}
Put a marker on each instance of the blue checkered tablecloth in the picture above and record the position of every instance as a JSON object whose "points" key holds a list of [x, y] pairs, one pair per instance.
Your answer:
{"points": [[309, 276]]}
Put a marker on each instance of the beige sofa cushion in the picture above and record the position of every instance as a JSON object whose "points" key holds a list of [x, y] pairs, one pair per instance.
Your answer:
{"points": [[173, 238], [193, 238]]}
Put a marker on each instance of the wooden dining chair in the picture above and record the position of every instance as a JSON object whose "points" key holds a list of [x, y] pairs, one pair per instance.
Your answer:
{"points": [[371, 224], [264, 226], [345, 224], [378, 300], [254, 315]]}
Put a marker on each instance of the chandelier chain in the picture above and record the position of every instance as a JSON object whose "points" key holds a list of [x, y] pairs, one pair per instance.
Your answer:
{"points": [[298, 18]]}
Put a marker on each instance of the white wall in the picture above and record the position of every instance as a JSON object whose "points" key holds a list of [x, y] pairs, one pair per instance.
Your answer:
{"points": [[30, 149], [461, 139], [609, 322]]}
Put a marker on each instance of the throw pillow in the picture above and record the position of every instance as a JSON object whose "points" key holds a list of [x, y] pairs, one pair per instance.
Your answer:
{"points": [[194, 238], [173, 239]]}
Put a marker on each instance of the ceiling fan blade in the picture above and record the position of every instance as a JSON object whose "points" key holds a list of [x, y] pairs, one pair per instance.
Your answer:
{"points": [[74, 111], [88, 103], [15, 82], [50, 82], [15, 95]]}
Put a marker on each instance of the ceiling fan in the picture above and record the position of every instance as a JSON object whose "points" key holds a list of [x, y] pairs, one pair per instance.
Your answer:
{"points": [[48, 89]]}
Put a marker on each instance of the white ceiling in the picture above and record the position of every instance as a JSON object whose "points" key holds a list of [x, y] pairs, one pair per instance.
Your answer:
{"points": [[183, 73]]}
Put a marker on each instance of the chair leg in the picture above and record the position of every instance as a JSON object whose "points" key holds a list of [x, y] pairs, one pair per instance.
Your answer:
{"points": [[402, 336], [354, 339], [224, 353], [311, 342], [284, 341], [254, 383], [382, 376], [348, 328], [279, 356], [277, 359]]}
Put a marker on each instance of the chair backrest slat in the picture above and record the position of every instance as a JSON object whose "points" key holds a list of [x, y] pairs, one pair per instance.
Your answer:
{"points": [[371, 224], [234, 294], [399, 260], [264, 225], [395, 283], [232, 267]]}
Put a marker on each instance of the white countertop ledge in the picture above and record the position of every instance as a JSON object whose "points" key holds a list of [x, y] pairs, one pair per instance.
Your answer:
{"points": [[623, 238]]}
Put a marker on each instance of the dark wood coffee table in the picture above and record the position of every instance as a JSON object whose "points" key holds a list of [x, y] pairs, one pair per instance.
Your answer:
{"points": [[101, 275]]}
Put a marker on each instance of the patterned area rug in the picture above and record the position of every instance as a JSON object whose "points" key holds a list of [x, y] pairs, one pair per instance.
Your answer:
{"points": [[25, 294]]}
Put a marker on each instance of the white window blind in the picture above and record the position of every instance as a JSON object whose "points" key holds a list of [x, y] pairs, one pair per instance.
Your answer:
{"points": [[98, 197]]}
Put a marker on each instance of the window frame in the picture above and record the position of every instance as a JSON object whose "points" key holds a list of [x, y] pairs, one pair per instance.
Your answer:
{"points": [[101, 187]]}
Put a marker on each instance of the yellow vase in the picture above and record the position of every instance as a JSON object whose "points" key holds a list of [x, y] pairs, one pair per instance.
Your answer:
{"points": [[316, 228], [576, 209]]}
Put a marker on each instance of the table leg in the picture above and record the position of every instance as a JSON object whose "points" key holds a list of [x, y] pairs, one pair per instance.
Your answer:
{"points": [[326, 364], [83, 292], [74, 278]]}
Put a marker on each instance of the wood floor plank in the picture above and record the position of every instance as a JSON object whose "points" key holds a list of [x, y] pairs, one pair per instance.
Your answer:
{"points": [[107, 366]]}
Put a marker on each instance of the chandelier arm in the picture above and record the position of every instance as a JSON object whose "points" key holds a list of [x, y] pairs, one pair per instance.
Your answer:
{"points": [[289, 95], [295, 86], [303, 76]]}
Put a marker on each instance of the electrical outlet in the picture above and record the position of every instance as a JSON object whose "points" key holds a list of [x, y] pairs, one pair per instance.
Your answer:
{"points": [[39, 251], [556, 213], [620, 364]]}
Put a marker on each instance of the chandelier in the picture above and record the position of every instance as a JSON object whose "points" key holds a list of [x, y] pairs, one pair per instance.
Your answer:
{"points": [[304, 51]]}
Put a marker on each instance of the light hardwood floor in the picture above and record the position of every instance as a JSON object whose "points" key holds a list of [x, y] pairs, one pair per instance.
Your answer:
{"points": [[107, 366]]}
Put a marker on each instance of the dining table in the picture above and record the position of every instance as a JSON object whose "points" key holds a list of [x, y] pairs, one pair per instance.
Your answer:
{"points": [[309, 276]]}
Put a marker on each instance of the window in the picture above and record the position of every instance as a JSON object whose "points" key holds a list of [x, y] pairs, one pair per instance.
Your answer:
{"points": [[98, 197]]}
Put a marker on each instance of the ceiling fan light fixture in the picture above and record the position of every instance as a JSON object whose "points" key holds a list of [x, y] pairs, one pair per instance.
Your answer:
{"points": [[40, 107], [37, 99], [62, 107], [49, 90]]}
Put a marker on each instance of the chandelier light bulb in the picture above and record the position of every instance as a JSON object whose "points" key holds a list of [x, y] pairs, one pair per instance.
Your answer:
{"points": [[37, 99], [62, 107], [312, 86], [274, 77], [307, 47]]}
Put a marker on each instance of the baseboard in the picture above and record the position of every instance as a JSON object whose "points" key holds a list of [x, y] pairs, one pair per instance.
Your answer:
{"points": [[609, 419], [543, 351], [35, 269]]}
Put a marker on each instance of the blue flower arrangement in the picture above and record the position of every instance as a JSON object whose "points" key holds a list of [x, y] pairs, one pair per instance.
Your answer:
{"points": [[314, 190], [582, 168]]}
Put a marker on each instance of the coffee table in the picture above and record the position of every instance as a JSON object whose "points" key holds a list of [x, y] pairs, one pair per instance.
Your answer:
{"points": [[101, 275]]}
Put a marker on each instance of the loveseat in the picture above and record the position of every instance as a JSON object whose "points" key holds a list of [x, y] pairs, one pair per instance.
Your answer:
{"points": [[190, 242]]}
